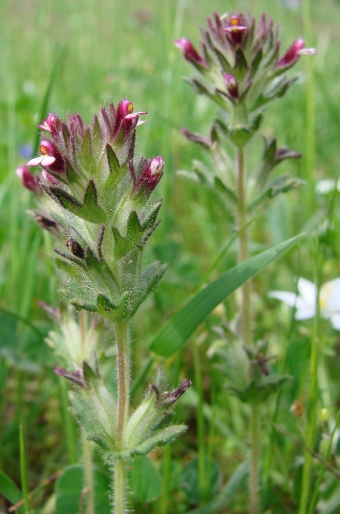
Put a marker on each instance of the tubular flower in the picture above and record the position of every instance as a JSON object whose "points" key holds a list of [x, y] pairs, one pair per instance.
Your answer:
{"points": [[293, 53], [236, 30], [152, 174], [50, 124], [189, 52], [305, 301], [50, 157], [28, 180]]}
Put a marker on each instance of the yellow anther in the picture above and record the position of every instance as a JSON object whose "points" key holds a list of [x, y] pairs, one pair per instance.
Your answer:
{"points": [[43, 150], [130, 108], [234, 20]]}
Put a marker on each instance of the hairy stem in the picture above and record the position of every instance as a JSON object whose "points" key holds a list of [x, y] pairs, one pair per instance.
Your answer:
{"points": [[123, 365], [246, 331], [88, 473], [243, 247]]}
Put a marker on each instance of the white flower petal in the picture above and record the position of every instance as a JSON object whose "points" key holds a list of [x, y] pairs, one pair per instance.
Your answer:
{"points": [[335, 320], [48, 160], [35, 161], [330, 297], [304, 311], [285, 297], [307, 290]]}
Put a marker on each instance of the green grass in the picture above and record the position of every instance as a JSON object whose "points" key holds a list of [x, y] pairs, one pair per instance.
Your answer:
{"points": [[109, 50]]}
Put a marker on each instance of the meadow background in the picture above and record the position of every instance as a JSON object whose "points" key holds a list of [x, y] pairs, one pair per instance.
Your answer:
{"points": [[98, 51]]}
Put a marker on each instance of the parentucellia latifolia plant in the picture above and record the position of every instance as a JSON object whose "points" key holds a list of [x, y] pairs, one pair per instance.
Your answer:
{"points": [[95, 197], [240, 69]]}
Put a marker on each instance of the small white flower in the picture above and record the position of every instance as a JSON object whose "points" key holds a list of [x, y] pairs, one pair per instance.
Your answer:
{"points": [[305, 301]]}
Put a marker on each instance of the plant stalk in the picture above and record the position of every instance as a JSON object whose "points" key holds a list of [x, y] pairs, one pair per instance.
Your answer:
{"points": [[313, 397], [246, 328], [88, 473], [123, 365]]}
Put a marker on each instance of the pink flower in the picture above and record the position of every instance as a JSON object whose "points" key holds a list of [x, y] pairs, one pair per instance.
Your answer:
{"points": [[27, 179], [51, 124], [231, 85], [126, 117], [189, 52], [152, 174], [293, 53], [50, 157], [236, 31]]}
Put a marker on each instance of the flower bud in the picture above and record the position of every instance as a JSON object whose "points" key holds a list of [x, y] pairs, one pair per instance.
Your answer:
{"points": [[49, 178], [45, 223], [76, 125], [231, 85], [152, 174], [75, 248], [27, 179], [293, 53], [51, 124], [189, 52]]}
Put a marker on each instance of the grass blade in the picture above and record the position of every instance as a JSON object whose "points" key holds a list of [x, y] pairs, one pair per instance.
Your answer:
{"points": [[180, 327]]}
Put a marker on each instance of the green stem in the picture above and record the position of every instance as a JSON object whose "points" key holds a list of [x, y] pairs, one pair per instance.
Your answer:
{"points": [[255, 459], [23, 470], [200, 427], [243, 247], [313, 392], [123, 365], [88, 473], [246, 326], [68, 422], [164, 503]]}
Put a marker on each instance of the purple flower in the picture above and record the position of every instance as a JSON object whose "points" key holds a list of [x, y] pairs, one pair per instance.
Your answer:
{"points": [[51, 124], [189, 52], [236, 31], [27, 179], [152, 174], [293, 53], [231, 85], [50, 157], [125, 117]]}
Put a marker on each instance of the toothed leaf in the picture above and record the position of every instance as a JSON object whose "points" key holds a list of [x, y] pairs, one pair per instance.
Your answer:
{"points": [[87, 416], [149, 281], [159, 438]]}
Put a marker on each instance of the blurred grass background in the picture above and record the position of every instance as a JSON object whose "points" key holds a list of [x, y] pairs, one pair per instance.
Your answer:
{"points": [[107, 50]]}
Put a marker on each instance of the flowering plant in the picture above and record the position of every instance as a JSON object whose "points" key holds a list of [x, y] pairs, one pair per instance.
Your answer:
{"points": [[240, 69], [95, 196], [305, 302]]}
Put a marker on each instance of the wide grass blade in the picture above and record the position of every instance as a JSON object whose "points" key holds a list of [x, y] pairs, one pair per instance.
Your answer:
{"points": [[9, 489], [180, 327]]}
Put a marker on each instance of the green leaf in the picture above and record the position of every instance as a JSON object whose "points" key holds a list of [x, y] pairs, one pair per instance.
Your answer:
{"points": [[87, 416], [149, 281], [180, 327], [256, 393], [70, 491], [226, 496], [191, 483], [93, 212], [159, 438], [145, 481], [9, 489]]}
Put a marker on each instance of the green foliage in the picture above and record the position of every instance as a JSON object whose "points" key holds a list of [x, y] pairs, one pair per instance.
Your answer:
{"points": [[110, 51], [145, 481], [70, 493]]}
